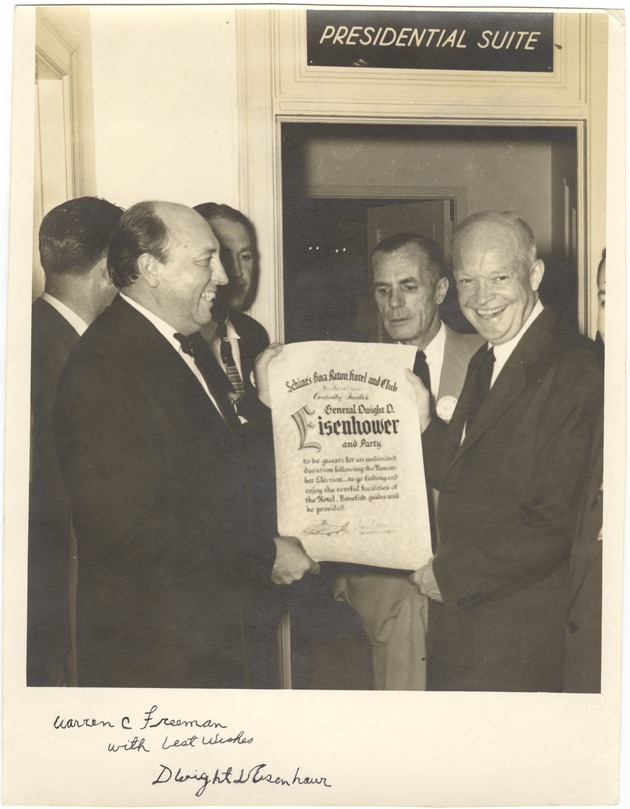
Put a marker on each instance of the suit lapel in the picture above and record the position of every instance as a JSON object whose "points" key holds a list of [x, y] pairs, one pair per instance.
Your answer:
{"points": [[453, 368], [508, 386], [164, 362]]}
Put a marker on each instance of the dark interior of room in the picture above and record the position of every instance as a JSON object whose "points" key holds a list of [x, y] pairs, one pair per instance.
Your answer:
{"points": [[326, 242]]}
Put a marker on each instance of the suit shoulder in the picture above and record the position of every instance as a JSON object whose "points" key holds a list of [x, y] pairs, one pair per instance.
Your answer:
{"points": [[574, 349], [250, 328], [574, 365], [52, 337], [464, 344]]}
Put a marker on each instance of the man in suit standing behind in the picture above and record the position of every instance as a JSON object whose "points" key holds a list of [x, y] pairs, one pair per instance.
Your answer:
{"points": [[409, 286], [73, 242], [583, 662], [236, 338], [510, 468], [159, 484]]}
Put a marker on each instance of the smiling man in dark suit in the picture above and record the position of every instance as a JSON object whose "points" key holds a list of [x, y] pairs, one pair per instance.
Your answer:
{"points": [[152, 454], [73, 242], [510, 468]]}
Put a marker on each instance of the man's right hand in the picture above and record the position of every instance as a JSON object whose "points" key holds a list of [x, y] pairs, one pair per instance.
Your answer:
{"points": [[292, 561], [423, 399]]}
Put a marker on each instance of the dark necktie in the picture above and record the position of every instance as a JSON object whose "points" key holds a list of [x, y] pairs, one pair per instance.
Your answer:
{"points": [[421, 369], [227, 358], [481, 386], [196, 347]]}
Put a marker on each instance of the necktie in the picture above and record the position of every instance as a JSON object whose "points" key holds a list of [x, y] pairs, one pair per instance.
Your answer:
{"points": [[196, 347], [481, 386], [227, 358], [421, 369]]}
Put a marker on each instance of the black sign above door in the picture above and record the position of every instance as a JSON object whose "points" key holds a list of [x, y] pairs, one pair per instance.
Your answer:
{"points": [[502, 41]]}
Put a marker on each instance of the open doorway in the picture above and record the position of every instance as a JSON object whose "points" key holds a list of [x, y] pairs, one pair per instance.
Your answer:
{"points": [[345, 186]]}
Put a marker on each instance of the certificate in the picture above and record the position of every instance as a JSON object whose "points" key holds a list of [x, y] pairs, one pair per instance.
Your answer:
{"points": [[350, 475]]}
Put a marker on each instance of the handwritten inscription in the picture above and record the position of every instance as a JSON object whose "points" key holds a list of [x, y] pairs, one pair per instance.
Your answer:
{"points": [[154, 731], [236, 775]]}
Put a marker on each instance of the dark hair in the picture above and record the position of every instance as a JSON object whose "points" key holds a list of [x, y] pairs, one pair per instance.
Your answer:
{"points": [[507, 219], [141, 230], [75, 235], [431, 250], [214, 210]]}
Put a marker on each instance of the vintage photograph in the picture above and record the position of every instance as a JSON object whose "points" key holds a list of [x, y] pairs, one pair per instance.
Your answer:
{"points": [[313, 352]]}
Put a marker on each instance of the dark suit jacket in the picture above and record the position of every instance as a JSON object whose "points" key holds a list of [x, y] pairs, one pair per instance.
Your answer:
{"points": [[49, 513], [161, 501], [509, 496], [584, 625]]}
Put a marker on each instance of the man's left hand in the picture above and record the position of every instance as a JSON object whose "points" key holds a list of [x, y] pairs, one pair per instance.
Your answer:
{"points": [[424, 580], [292, 561]]}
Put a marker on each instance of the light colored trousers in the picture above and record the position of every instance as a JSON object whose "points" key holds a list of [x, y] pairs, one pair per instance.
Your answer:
{"points": [[394, 615]]}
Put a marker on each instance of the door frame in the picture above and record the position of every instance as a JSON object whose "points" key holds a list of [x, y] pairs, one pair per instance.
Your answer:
{"points": [[275, 87], [275, 286]]}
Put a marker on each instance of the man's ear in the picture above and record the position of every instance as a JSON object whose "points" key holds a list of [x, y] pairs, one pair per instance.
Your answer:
{"points": [[536, 274], [441, 288], [149, 269]]}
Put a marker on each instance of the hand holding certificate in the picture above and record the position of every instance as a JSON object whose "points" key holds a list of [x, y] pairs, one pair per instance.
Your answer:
{"points": [[349, 466]]}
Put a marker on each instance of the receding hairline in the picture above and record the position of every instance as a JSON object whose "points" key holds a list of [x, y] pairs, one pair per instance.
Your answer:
{"points": [[167, 213], [507, 221], [432, 267]]}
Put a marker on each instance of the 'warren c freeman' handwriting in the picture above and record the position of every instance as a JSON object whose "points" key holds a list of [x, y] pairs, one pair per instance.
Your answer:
{"points": [[150, 721], [256, 775]]}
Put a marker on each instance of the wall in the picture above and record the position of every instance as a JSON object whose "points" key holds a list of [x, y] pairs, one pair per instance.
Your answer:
{"points": [[75, 23], [497, 174], [164, 90]]}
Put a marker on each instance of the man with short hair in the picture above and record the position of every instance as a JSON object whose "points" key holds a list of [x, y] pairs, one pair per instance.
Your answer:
{"points": [[73, 243], [236, 338], [510, 468], [409, 286], [152, 454]]}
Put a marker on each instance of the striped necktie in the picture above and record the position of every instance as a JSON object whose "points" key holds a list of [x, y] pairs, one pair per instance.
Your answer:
{"points": [[227, 358]]}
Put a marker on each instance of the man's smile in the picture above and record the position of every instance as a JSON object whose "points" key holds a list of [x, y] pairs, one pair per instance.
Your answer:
{"points": [[487, 314]]}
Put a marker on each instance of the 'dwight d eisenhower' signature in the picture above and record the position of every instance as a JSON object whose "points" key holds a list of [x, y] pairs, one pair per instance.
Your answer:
{"points": [[258, 774]]}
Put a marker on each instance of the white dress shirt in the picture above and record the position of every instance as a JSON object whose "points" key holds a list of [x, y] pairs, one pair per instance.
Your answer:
{"points": [[434, 353], [77, 323]]}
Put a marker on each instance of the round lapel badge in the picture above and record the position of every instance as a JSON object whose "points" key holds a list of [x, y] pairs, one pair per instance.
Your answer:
{"points": [[445, 407]]}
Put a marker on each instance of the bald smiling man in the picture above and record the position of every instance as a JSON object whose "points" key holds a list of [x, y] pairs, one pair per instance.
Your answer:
{"points": [[152, 453]]}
